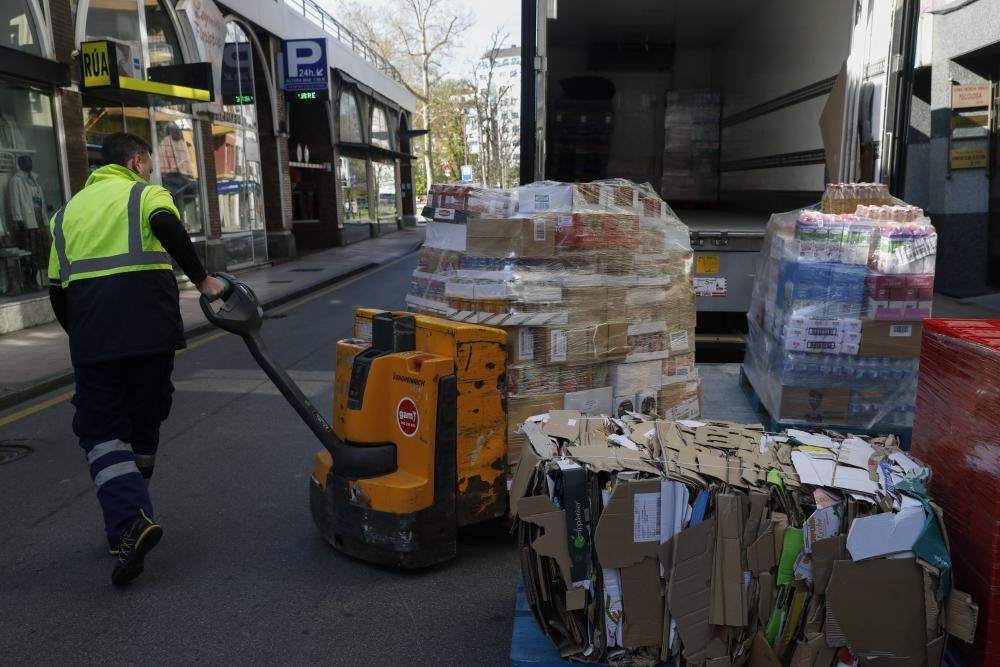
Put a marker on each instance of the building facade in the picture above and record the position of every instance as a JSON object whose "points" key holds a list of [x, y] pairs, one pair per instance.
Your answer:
{"points": [[257, 173], [492, 115], [953, 151]]}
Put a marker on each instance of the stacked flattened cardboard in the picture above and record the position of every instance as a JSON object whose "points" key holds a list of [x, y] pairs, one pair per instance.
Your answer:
{"points": [[718, 544], [835, 320], [592, 282], [957, 430]]}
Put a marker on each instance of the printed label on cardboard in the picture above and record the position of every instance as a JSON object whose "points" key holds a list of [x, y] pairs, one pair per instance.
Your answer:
{"points": [[541, 202], [679, 341], [565, 221], [557, 345], [901, 330], [539, 230], [646, 517], [525, 344]]}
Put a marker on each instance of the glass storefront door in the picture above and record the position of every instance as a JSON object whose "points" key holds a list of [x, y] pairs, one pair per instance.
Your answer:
{"points": [[241, 202], [388, 211], [236, 148], [30, 186]]}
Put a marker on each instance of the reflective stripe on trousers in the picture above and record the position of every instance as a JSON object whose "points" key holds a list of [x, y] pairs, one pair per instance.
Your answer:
{"points": [[109, 460], [135, 256]]}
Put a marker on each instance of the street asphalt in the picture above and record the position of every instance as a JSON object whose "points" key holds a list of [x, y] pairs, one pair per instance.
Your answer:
{"points": [[241, 577]]}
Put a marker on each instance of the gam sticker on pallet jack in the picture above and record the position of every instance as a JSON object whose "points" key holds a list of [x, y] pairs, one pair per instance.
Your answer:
{"points": [[407, 417]]}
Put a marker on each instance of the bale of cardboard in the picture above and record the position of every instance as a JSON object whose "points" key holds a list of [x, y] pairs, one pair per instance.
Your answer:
{"points": [[592, 282], [835, 317], [646, 541]]}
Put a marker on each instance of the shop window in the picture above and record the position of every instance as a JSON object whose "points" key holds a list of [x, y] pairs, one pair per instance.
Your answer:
{"points": [[30, 187], [178, 168], [236, 150], [18, 25], [384, 175], [380, 128], [354, 190], [164, 47], [118, 21], [238, 89], [350, 118]]}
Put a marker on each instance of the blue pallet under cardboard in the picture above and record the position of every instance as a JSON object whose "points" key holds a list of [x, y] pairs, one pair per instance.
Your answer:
{"points": [[528, 645]]}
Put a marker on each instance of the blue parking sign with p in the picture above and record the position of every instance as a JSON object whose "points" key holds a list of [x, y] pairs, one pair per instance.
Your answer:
{"points": [[304, 64]]}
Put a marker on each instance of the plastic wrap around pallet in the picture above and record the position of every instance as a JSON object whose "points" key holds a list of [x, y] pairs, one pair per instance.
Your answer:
{"points": [[835, 317], [957, 431], [592, 282]]}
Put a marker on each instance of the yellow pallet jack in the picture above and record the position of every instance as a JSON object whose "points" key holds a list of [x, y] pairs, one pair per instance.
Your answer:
{"points": [[418, 443]]}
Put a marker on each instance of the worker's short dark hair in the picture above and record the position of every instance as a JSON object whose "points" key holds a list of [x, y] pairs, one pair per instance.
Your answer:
{"points": [[118, 148]]}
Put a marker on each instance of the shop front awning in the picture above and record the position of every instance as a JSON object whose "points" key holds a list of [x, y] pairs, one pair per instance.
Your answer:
{"points": [[103, 63], [33, 68], [374, 152]]}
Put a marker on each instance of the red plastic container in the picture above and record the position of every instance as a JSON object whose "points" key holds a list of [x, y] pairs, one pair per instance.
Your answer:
{"points": [[957, 432]]}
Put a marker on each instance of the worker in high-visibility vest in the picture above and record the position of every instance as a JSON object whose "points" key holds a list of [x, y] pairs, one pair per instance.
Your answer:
{"points": [[114, 292]]}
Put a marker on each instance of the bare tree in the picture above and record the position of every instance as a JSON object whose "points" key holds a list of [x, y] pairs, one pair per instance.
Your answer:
{"points": [[422, 33], [494, 130]]}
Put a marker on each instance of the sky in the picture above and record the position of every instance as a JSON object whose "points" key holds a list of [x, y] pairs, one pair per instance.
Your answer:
{"points": [[488, 15]]}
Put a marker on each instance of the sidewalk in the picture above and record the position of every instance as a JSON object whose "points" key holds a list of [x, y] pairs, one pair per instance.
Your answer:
{"points": [[36, 361]]}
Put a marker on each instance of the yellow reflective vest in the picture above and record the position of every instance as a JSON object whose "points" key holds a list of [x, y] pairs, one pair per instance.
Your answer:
{"points": [[104, 229]]}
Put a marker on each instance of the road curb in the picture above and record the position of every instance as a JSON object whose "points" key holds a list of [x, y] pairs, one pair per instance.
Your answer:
{"points": [[65, 378]]}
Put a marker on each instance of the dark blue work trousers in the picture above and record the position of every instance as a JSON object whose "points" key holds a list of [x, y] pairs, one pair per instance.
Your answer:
{"points": [[120, 405]]}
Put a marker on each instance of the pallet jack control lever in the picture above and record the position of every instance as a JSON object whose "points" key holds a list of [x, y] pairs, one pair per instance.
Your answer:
{"points": [[242, 315]]}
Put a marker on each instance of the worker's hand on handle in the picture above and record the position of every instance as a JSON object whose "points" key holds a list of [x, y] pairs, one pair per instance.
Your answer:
{"points": [[212, 288]]}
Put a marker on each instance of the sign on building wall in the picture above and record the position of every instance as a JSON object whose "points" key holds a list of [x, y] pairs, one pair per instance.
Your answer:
{"points": [[209, 27], [303, 65], [977, 157], [237, 74], [970, 96]]}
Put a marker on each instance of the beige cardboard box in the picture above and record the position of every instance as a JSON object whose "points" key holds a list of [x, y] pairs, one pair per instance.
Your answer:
{"points": [[680, 400], [820, 406], [900, 340], [616, 303], [527, 344], [617, 336], [578, 344], [678, 368], [509, 237]]}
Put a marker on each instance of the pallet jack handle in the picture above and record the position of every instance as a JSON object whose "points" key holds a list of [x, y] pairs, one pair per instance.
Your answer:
{"points": [[242, 315]]}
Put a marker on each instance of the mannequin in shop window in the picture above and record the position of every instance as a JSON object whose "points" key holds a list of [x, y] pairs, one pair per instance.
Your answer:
{"points": [[27, 215], [176, 169]]}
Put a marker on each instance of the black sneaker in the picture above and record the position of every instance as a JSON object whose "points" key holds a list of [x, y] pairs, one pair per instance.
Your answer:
{"points": [[138, 540]]}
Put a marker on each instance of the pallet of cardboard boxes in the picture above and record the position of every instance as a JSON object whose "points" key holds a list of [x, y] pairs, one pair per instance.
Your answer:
{"points": [[592, 282]]}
